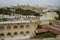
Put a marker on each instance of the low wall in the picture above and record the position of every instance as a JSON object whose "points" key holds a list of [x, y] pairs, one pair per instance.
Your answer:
{"points": [[57, 38]]}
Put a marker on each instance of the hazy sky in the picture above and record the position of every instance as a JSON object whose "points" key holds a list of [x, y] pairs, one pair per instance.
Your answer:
{"points": [[31, 2]]}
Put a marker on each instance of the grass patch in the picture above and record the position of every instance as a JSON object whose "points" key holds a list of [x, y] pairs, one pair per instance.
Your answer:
{"points": [[45, 35]]}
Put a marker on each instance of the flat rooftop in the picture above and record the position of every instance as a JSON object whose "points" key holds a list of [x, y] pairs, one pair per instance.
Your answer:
{"points": [[21, 16], [8, 22]]}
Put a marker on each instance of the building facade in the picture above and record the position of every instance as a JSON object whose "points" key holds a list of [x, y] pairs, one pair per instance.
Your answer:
{"points": [[20, 27], [11, 29]]}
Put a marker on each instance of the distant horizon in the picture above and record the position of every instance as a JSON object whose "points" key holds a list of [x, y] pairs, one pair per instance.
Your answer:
{"points": [[34, 5], [30, 2]]}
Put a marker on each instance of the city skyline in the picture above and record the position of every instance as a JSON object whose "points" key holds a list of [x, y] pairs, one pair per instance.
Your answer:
{"points": [[30, 2]]}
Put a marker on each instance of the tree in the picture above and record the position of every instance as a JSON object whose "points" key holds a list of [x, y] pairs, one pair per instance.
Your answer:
{"points": [[39, 26], [26, 12], [58, 12], [6, 11]]}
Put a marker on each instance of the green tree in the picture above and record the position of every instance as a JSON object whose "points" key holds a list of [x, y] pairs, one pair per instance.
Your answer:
{"points": [[39, 26], [26, 12], [6, 11], [58, 12]]}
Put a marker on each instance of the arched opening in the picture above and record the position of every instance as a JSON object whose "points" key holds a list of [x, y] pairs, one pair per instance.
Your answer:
{"points": [[1, 27], [21, 32], [15, 33], [15, 26], [27, 26], [8, 33], [8, 27], [21, 26], [15, 17], [50, 23], [27, 32], [2, 34]]}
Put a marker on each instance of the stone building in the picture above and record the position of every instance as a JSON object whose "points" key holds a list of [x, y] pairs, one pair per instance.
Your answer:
{"points": [[48, 17], [18, 27]]}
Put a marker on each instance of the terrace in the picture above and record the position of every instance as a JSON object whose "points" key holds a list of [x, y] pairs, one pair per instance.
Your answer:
{"points": [[6, 22]]}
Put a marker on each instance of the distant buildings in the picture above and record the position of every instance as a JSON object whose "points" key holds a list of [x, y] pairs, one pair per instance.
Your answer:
{"points": [[48, 16]]}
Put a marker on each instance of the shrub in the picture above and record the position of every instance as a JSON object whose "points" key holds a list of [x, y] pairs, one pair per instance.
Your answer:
{"points": [[3, 19], [50, 23], [45, 35], [39, 26]]}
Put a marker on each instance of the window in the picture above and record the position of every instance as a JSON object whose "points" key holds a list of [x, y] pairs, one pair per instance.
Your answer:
{"points": [[8, 33], [15, 17], [1, 27], [21, 26], [27, 32], [2, 34], [30, 21], [20, 16], [21, 32], [27, 26], [15, 33], [15, 26], [8, 27]]}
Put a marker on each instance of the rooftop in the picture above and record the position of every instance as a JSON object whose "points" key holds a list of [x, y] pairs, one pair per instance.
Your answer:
{"points": [[46, 18], [20, 16], [7, 22]]}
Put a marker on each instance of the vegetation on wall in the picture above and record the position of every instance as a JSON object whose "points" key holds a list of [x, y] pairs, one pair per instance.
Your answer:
{"points": [[3, 19]]}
